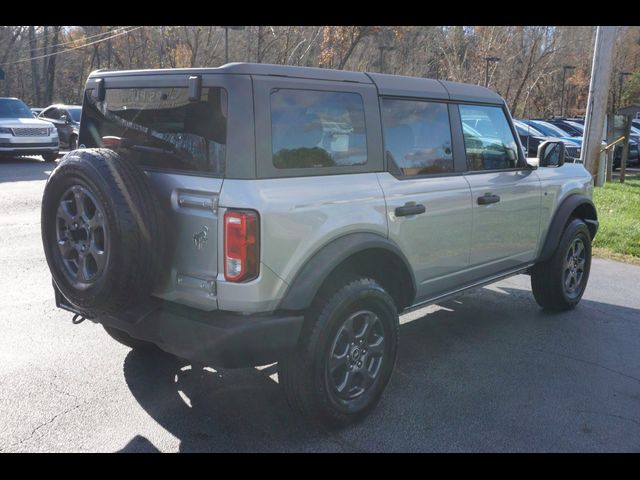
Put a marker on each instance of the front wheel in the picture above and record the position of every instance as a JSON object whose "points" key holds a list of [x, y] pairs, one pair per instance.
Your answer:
{"points": [[345, 357], [559, 283], [50, 157]]}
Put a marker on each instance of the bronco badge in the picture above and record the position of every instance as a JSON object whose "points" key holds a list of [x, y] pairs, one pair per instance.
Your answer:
{"points": [[200, 238]]}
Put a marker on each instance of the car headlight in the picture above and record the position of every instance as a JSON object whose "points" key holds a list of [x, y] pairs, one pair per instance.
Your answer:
{"points": [[53, 131], [6, 130]]}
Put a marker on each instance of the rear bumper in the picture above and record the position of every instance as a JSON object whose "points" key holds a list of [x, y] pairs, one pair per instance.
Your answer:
{"points": [[221, 339]]}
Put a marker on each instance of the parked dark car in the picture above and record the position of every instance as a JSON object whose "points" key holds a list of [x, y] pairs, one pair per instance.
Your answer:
{"points": [[531, 138], [66, 118], [567, 126], [634, 144]]}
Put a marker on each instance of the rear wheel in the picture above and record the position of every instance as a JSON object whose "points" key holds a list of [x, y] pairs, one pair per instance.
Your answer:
{"points": [[346, 355], [559, 283], [73, 143]]}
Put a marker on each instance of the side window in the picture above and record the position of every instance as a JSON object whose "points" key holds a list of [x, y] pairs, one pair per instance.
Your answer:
{"points": [[417, 137], [311, 129], [53, 113], [488, 140]]}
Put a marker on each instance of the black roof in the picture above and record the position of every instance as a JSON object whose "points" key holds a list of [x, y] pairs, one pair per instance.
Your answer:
{"points": [[386, 84]]}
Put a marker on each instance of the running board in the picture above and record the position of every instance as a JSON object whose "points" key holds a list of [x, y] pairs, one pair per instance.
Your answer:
{"points": [[460, 291]]}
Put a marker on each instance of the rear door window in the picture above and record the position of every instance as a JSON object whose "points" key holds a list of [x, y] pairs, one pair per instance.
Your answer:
{"points": [[161, 128], [312, 129], [417, 137]]}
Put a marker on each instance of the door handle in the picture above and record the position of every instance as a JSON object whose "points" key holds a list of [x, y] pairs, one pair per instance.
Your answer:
{"points": [[488, 198], [410, 208]]}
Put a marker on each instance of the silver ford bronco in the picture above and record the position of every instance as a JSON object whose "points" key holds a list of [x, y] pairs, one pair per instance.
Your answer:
{"points": [[250, 214]]}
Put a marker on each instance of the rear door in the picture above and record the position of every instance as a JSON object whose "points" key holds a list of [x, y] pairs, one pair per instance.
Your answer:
{"points": [[428, 200], [185, 148], [506, 192]]}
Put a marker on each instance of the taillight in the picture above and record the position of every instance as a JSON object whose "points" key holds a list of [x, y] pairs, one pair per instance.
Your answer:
{"points": [[241, 245]]}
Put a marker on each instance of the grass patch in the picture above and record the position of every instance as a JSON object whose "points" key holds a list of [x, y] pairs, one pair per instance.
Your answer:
{"points": [[618, 206]]}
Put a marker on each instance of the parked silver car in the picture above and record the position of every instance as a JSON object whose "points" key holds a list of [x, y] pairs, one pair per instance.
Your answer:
{"points": [[252, 214], [22, 134]]}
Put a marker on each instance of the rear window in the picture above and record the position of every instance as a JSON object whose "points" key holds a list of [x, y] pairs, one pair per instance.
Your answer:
{"points": [[311, 129], [160, 127]]}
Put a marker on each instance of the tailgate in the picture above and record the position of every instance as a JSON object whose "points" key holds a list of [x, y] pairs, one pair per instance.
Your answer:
{"points": [[190, 204]]}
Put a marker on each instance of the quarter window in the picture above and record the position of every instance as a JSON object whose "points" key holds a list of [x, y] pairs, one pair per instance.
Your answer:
{"points": [[417, 137], [488, 140], [311, 129]]}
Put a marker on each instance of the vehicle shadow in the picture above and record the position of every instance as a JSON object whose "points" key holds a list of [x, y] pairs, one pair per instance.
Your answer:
{"points": [[24, 169], [487, 372]]}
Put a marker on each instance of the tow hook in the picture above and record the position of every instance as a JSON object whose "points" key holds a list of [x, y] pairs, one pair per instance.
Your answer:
{"points": [[77, 318]]}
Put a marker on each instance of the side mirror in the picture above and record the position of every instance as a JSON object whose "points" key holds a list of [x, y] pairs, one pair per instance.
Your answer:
{"points": [[551, 154], [195, 88]]}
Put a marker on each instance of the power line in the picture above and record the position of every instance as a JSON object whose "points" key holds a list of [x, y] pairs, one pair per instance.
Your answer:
{"points": [[73, 48], [74, 41]]}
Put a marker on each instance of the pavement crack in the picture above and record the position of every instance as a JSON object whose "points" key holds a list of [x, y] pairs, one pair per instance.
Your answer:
{"points": [[44, 424], [588, 363], [344, 443], [610, 415]]}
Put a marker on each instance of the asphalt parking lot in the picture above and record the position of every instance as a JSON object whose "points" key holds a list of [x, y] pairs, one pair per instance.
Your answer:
{"points": [[487, 372]]}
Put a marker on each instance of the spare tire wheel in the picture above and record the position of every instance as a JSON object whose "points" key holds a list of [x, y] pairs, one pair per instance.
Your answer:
{"points": [[101, 231]]}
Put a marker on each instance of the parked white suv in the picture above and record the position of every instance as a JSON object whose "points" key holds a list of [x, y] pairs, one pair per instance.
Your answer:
{"points": [[22, 134]]}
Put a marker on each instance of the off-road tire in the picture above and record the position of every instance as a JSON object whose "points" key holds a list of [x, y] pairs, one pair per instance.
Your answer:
{"points": [[548, 278], [303, 372], [135, 244]]}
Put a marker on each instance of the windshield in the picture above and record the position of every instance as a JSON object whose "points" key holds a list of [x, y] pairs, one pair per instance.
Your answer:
{"points": [[14, 108], [550, 129], [75, 113], [577, 126]]}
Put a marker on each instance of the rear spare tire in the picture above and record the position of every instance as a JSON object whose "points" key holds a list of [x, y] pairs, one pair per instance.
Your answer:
{"points": [[101, 231]]}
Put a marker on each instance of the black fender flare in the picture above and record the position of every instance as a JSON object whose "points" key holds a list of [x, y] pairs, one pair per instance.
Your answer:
{"points": [[306, 283], [560, 219]]}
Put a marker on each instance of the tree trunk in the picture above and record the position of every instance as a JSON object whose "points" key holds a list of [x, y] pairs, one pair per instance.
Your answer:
{"points": [[51, 67], [35, 76]]}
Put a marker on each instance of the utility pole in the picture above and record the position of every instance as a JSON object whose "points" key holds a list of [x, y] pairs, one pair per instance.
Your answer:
{"points": [[564, 75], [382, 48], [597, 101], [486, 69], [226, 41]]}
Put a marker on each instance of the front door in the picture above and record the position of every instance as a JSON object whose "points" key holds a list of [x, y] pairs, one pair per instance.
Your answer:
{"points": [[506, 193], [428, 200]]}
